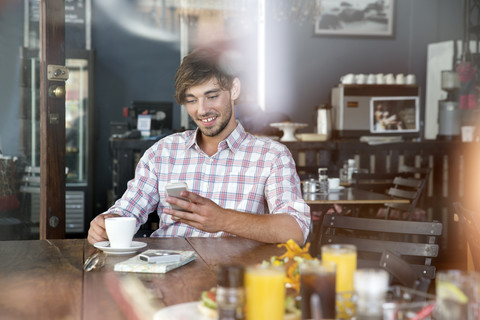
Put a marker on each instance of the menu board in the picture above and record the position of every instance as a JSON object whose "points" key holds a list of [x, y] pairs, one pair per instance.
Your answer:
{"points": [[74, 11], [75, 23]]}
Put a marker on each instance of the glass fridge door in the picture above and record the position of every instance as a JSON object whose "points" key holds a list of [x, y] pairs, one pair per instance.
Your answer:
{"points": [[77, 127], [76, 121]]}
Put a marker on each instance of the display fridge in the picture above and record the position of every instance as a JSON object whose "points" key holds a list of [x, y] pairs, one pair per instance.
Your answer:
{"points": [[78, 134]]}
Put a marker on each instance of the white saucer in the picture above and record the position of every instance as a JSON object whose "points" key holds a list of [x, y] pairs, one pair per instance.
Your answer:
{"points": [[340, 188], [105, 247]]}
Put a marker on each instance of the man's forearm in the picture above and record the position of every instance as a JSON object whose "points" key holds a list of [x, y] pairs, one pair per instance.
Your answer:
{"points": [[270, 228]]}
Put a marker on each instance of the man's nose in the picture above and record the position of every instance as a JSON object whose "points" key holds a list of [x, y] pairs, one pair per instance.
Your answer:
{"points": [[203, 106]]}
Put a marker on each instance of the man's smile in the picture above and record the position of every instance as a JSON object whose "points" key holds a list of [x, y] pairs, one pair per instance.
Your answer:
{"points": [[208, 120]]}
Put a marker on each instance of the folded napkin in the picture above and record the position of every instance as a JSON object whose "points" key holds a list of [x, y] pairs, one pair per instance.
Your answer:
{"points": [[134, 264]]}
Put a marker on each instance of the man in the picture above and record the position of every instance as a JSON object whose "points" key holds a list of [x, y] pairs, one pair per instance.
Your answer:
{"points": [[238, 184]]}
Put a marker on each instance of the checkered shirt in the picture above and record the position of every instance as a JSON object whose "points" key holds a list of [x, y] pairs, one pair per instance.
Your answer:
{"points": [[247, 173]]}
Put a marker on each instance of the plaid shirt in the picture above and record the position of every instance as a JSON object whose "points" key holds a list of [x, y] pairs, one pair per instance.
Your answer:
{"points": [[248, 174]]}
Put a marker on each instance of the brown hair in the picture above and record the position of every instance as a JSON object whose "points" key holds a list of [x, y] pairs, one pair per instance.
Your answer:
{"points": [[199, 66]]}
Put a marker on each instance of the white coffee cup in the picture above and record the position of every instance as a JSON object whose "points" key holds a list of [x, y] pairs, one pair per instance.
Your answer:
{"points": [[120, 231], [333, 183], [371, 79], [389, 79], [360, 78], [400, 79], [348, 79], [410, 79], [468, 133], [380, 78]]}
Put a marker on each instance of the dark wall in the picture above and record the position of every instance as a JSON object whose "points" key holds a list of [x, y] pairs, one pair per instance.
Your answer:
{"points": [[127, 68]]}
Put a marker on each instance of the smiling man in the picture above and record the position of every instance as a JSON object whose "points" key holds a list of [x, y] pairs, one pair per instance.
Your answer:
{"points": [[238, 184]]}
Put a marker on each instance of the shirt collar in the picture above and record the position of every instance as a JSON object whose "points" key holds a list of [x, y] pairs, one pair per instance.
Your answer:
{"points": [[233, 140]]}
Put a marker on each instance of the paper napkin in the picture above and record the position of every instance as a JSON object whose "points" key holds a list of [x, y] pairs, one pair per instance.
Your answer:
{"points": [[134, 264]]}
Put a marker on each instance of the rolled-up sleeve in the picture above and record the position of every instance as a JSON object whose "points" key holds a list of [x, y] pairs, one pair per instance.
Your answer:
{"points": [[283, 192]]}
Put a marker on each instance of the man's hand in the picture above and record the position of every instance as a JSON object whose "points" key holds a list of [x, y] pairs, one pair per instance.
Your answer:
{"points": [[203, 213], [97, 231]]}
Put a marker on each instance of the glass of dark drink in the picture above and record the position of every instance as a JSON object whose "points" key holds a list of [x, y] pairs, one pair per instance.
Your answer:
{"points": [[317, 289]]}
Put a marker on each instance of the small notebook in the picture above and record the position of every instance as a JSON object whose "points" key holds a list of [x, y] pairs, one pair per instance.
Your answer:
{"points": [[134, 264]]}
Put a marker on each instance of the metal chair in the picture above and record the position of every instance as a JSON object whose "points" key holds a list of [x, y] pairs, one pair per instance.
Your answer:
{"points": [[404, 248]]}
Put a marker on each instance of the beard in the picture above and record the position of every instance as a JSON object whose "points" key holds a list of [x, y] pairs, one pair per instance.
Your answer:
{"points": [[217, 128]]}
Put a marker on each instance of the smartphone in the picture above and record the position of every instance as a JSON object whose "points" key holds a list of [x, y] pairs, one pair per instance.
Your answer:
{"points": [[160, 256], [174, 190]]}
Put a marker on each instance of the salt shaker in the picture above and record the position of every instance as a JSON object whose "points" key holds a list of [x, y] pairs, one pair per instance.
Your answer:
{"points": [[230, 292], [351, 167], [322, 181]]}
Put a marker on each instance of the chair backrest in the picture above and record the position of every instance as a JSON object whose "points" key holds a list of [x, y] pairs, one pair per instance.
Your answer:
{"points": [[415, 172], [470, 227], [413, 241], [405, 188], [376, 182], [381, 182]]}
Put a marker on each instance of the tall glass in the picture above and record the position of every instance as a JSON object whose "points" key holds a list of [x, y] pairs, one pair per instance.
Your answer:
{"points": [[371, 286], [317, 289], [345, 257], [265, 292]]}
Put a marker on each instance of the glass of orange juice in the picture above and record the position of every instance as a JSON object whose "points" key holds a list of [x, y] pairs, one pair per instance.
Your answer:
{"points": [[265, 292], [345, 256]]}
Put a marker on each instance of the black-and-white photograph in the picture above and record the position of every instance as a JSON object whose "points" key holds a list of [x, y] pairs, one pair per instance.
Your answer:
{"points": [[394, 114], [355, 17]]}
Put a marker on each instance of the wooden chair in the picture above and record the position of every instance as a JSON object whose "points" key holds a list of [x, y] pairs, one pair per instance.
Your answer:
{"points": [[404, 248], [385, 179], [415, 172], [405, 188], [470, 227]]}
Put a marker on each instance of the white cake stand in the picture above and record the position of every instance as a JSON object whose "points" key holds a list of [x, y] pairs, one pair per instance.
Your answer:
{"points": [[288, 129]]}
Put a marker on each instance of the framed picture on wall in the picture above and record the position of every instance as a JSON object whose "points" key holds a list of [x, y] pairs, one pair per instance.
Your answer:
{"points": [[355, 17]]}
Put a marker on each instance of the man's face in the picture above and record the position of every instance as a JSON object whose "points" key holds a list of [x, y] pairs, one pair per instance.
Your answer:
{"points": [[211, 107]]}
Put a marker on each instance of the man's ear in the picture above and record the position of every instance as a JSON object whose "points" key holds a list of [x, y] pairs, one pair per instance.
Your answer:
{"points": [[236, 86]]}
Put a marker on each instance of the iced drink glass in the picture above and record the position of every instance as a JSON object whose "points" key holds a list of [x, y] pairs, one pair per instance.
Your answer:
{"points": [[317, 289], [345, 257]]}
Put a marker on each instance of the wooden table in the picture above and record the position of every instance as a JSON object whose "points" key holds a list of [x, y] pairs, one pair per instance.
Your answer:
{"points": [[320, 203], [350, 196], [44, 279]]}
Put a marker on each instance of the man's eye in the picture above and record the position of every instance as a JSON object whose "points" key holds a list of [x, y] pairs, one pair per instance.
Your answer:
{"points": [[213, 97], [190, 101]]}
